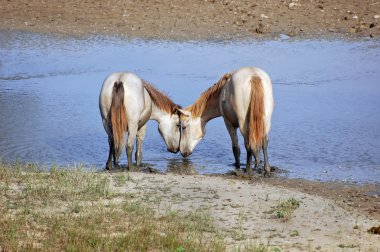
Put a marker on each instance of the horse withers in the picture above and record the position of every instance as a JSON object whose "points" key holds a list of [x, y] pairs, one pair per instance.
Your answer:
{"points": [[244, 99], [126, 103]]}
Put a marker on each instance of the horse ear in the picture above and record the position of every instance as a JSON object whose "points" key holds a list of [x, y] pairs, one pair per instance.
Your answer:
{"points": [[182, 112]]}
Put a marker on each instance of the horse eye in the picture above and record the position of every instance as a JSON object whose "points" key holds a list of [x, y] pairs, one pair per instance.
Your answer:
{"points": [[183, 127]]}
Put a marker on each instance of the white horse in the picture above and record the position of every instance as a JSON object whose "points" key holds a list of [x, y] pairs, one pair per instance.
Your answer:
{"points": [[126, 103], [244, 98]]}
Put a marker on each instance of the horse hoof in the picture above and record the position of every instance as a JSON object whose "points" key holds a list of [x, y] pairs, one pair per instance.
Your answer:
{"points": [[249, 171], [266, 174], [108, 167]]}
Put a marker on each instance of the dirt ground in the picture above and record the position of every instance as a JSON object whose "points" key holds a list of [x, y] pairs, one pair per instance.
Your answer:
{"points": [[362, 198], [195, 20], [244, 211]]}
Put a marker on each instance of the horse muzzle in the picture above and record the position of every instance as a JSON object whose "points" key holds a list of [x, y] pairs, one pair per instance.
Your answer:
{"points": [[186, 153], [172, 150]]}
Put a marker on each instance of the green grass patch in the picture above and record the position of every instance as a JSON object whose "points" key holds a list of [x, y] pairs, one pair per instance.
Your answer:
{"points": [[284, 210], [347, 246], [294, 233], [258, 247]]}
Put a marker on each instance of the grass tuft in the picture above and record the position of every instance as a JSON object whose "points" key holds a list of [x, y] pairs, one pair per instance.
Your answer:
{"points": [[284, 210]]}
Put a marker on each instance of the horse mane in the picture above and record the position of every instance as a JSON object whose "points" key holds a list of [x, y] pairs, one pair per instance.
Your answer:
{"points": [[200, 104], [160, 99]]}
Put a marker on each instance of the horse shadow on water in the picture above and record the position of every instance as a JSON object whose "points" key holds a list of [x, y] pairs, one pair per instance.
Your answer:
{"points": [[143, 167], [256, 172], [174, 166], [186, 167]]}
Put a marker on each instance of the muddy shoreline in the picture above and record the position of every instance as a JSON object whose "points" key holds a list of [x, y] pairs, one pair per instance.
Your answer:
{"points": [[196, 20]]}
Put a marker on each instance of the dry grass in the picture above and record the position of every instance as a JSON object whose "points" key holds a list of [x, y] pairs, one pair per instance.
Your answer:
{"points": [[77, 210]]}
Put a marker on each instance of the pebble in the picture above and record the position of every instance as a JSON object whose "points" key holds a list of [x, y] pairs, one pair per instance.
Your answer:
{"points": [[294, 4], [264, 16], [376, 16], [28, 23]]}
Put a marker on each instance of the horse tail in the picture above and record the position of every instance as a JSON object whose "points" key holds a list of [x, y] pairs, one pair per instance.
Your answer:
{"points": [[256, 123], [118, 117]]}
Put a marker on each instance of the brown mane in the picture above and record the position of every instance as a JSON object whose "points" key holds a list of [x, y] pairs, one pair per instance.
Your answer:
{"points": [[200, 104], [161, 100]]}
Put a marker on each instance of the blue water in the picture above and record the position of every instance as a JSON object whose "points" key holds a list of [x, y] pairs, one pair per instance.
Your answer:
{"points": [[325, 126]]}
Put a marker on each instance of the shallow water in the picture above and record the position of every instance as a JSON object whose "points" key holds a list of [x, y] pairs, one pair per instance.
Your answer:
{"points": [[326, 122]]}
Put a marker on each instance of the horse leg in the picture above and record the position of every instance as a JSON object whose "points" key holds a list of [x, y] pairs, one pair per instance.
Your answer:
{"points": [[139, 140], [111, 154], [115, 155], [256, 155], [235, 144], [249, 155], [266, 162], [131, 139]]}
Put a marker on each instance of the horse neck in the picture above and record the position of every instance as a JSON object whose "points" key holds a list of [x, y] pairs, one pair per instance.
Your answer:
{"points": [[161, 105], [211, 110], [207, 105], [158, 114]]}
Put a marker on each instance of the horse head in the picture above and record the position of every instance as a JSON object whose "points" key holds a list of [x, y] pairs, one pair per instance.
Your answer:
{"points": [[193, 131], [170, 130]]}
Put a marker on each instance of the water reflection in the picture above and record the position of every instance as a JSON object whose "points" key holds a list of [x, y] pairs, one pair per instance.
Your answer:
{"points": [[182, 167]]}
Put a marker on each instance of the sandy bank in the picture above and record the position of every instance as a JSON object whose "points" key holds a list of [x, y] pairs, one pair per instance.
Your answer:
{"points": [[246, 211], [201, 19]]}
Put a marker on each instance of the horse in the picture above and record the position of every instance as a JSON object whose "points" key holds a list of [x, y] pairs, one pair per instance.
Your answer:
{"points": [[244, 99], [126, 103]]}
